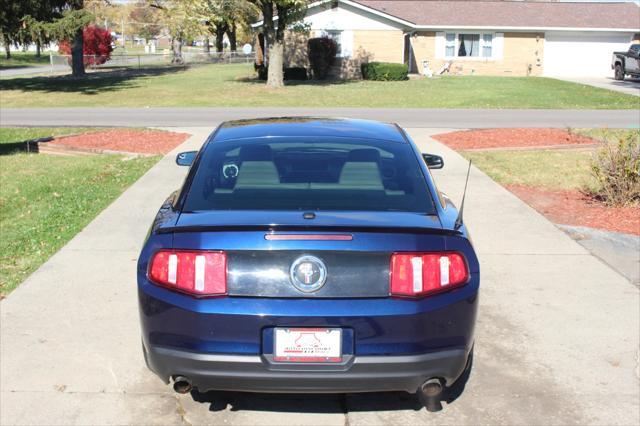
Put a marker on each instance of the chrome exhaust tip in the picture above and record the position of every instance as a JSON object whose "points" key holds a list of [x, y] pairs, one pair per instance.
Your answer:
{"points": [[182, 384], [431, 394]]}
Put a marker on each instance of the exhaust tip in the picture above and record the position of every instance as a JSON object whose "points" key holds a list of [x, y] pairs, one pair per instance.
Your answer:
{"points": [[431, 394], [182, 384], [432, 388]]}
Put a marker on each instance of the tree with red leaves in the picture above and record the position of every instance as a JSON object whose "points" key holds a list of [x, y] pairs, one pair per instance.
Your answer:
{"points": [[96, 45]]}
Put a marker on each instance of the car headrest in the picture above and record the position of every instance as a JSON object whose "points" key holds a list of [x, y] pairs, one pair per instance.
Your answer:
{"points": [[364, 155], [255, 153]]}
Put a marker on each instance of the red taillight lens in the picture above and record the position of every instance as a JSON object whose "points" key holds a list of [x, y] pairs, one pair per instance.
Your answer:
{"points": [[201, 273], [421, 274]]}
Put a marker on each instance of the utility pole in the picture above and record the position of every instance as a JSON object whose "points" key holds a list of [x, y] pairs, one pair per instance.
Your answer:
{"points": [[124, 39]]}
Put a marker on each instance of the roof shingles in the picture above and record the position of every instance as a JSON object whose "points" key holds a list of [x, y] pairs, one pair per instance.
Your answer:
{"points": [[527, 14]]}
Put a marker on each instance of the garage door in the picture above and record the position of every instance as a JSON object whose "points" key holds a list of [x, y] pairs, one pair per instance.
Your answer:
{"points": [[575, 54]]}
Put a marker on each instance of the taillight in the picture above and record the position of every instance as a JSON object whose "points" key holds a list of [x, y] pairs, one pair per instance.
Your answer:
{"points": [[421, 274], [200, 273]]}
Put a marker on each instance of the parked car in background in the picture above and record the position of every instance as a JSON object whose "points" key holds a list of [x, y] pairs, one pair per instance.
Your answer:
{"points": [[626, 63], [309, 255]]}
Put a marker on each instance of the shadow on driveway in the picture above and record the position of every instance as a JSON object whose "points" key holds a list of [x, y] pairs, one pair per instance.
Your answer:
{"points": [[324, 403]]}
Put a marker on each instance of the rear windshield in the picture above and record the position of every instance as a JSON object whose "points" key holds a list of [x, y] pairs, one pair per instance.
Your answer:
{"points": [[286, 174]]}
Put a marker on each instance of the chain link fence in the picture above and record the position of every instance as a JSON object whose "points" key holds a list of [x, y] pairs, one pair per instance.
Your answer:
{"points": [[61, 63]]}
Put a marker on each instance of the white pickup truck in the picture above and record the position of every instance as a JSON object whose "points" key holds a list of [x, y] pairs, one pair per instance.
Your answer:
{"points": [[626, 63]]}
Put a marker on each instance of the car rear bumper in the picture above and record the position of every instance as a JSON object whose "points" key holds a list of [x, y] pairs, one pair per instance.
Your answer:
{"points": [[257, 373]]}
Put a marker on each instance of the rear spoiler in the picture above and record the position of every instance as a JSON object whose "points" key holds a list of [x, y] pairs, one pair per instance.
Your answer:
{"points": [[299, 228]]}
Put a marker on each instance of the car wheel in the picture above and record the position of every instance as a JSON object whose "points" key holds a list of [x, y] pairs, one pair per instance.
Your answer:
{"points": [[619, 73]]}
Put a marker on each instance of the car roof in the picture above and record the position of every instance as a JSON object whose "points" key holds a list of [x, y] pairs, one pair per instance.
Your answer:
{"points": [[308, 126]]}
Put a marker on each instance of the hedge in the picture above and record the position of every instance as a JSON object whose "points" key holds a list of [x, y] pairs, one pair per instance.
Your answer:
{"points": [[385, 71], [297, 73]]}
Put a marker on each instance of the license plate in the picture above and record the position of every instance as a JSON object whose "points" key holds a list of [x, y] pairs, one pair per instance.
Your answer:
{"points": [[308, 345]]}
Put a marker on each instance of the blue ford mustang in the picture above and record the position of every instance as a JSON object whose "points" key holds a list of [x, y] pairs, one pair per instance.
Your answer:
{"points": [[309, 255]]}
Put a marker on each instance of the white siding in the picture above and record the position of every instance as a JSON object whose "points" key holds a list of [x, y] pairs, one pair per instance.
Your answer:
{"points": [[345, 18], [440, 44], [581, 54], [498, 46]]}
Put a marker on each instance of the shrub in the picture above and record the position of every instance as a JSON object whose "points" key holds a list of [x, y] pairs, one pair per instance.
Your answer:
{"points": [[322, 56], [96, 44], [616, 168], [384, 71], [296, 73]]}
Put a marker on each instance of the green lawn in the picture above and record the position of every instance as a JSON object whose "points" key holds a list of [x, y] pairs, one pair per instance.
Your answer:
{"points": [[45, 200], [19, 60], [609, 135], [553, 169], [235, 86]]}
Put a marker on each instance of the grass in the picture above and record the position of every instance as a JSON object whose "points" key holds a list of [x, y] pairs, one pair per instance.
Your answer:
{"points": [[10, 135], [609, 135], [23, 59], [235, 86], [552, 169], [45, 200]]}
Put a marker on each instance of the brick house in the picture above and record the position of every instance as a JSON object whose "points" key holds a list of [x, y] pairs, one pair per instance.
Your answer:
{"points": [[480, 37]]}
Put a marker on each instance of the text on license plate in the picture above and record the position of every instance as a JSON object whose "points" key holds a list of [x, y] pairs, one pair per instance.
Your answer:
{"points": [[308, 345]]}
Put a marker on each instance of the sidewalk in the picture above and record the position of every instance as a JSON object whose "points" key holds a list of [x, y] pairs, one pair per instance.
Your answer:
{"points": [[557, 335]]}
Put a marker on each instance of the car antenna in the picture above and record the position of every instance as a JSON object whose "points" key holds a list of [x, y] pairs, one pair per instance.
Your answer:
{"points": [[459, 221]]}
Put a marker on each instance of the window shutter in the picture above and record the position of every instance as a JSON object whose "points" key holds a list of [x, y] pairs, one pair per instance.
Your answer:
{"points": [[347, 43], [440, 42], [498, 45]]}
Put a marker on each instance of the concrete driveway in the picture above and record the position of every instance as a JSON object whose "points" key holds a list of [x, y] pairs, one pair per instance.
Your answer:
{"points": [[557, 334], [630, 86]]}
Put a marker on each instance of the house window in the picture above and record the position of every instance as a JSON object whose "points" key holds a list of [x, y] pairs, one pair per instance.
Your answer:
{"points": [[468, 45], [487, 41], [450, 46]]}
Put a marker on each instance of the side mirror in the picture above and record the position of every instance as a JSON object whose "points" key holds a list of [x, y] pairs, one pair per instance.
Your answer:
{"points": [[186, 158], [433, 161]]}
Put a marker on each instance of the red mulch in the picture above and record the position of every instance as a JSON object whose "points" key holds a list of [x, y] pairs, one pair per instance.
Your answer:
{"points": [[126, 140], [571, 207], [511, 138]]}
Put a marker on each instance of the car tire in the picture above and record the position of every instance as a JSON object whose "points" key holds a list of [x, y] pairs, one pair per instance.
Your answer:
{"points": [[619, 72]]}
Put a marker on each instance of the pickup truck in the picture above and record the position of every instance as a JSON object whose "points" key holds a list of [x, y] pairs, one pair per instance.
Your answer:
{"points": [[626, 63]]}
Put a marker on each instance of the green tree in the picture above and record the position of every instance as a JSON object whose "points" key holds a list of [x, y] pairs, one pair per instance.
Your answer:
{"points": [[183, 19], [226, 17], [145, 20], [288, 13], [69, 27], [10, 13]]}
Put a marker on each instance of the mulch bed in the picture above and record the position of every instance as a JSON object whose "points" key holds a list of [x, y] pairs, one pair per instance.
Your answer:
{"points": [[512, 138], [124, 140], [572, 207]]}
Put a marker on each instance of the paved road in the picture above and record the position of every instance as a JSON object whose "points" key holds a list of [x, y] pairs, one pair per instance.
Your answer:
{"points": [[26, 71], [630, 86], [415, 118], [557, 335]]}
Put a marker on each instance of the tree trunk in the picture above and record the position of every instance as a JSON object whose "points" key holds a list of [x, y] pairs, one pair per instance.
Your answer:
{"points": [[77, 59], [7, 49], [176, 46], [231, 33], [207, 49], [38, 48], [276, 62], [220, 30]]}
